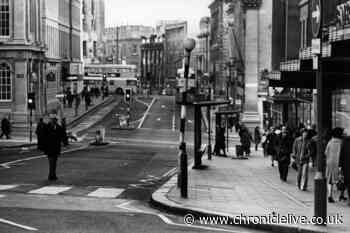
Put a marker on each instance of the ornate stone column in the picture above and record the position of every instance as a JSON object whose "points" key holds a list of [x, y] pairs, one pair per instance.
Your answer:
{"points": [[250, 109]]}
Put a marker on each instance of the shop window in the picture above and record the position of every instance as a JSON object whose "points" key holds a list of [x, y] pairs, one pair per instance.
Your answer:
{"points": [[5, 82], [84, 48]]}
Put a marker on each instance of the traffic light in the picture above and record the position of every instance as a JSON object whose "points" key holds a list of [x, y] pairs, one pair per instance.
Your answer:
{"points": [[31, 100], [127, 95]]}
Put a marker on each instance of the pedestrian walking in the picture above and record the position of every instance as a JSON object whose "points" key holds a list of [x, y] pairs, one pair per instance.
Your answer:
{"points": [[76, 105], [332, 153], [344, 164], [301, 153], [5, 127], [284, 153], [270, 147], [40, 134], [245, 139], [264, 142], [220, 141], [257, 137], [53, 145]]}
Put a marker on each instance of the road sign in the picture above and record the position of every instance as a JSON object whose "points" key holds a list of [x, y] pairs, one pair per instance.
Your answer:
{"points": [[316, 10]]}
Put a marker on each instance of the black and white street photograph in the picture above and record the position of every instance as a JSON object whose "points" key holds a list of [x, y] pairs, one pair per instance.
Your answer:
{"points": [[163, 116]]}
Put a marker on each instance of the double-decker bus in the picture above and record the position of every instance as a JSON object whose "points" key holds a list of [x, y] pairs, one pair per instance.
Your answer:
{"points": [[118, 77]]}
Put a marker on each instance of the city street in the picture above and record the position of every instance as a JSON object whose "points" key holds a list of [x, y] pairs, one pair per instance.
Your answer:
{"points": [[100, 189]]}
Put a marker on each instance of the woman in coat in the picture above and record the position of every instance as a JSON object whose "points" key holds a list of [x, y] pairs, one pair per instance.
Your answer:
{"points": [[332, 153]]}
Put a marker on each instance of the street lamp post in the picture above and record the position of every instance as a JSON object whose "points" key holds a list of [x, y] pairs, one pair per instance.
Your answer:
{"points": [[189, 45]]}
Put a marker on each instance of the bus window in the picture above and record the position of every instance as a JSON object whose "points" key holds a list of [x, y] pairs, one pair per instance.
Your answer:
{"points": [[131, 82], [111, 82]]}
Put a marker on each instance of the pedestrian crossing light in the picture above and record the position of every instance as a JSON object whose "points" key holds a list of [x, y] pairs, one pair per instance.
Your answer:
{"points": [[31, 100], [127, 95]]}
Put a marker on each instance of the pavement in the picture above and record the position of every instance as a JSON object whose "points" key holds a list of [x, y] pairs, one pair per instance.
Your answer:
{"points": [[231, 187]]}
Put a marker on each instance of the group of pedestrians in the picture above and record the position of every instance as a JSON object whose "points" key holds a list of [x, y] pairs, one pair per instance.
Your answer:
{"points": [[298, 149], [51, 136]]}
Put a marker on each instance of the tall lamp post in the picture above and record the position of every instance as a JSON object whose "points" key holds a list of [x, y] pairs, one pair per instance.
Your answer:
{"points": [[189, 45]]}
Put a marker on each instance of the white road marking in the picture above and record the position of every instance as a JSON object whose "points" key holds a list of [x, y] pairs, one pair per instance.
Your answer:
{"points": [[50, 190], [168, 221], [146, 113], [17, 225], [158, 119], [106, 192], [163, 106], [8, 164], [170, 172], [7, 187]]}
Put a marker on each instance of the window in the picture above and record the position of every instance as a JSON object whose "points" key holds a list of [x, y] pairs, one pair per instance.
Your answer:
{"points": [[4, 18], [84, 48], [95, 48], [134, 49], [5, 82]]}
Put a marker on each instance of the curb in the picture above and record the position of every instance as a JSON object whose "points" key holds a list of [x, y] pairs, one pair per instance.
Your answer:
{"points": [[160, 201], [74, 121]]}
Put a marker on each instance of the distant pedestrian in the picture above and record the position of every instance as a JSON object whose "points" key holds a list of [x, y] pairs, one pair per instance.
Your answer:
{"points": [[257, 137], [77, 105], [220, 141], [284, 153], [5, 127], [344, 164], [264, 142], [53, 145], [332, 153], [245, 139], [40, 134], [270, 145], [301, 153]]}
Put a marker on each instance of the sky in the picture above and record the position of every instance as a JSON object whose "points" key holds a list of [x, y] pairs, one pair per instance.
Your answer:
{"points": [[147, 12]]}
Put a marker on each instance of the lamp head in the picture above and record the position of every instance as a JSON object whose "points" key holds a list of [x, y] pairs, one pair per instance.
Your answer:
{"points": [[189, 44]]}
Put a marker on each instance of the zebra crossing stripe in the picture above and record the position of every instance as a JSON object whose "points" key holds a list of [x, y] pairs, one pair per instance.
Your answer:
{"points": [[51, 190], [7, 187], [106, 192]]}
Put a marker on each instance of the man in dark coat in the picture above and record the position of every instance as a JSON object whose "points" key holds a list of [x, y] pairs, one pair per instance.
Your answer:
{"points": [[40, 134], [257, 137], [245, 138], [344, 163], [5, 128], [53, 145], [284, 152]]}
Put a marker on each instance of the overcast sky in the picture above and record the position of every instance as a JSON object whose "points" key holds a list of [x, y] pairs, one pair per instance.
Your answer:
{"points": [[147, 12]]}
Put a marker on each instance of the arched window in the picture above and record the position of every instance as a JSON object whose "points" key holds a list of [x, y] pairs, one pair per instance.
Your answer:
{"points": [[4, 18], [5, 82]]}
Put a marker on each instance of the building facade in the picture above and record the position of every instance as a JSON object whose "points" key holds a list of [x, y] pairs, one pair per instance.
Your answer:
{"points": [[93, 27], [152, 62], [175, 32], [22, 57], [227, 50], [300, 73], [63, 41], [123, 43]]}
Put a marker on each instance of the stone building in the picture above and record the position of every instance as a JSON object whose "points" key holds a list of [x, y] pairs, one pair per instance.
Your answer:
{"points": [[63, 54], [174, 32], [40, 47], [124, 42], [93, 27], [22, 57], [227, 49]]}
